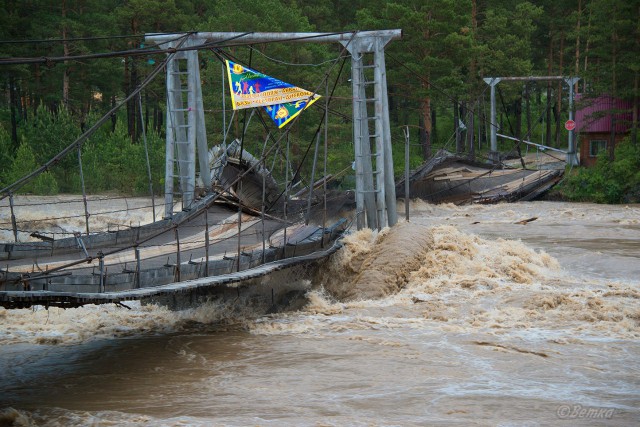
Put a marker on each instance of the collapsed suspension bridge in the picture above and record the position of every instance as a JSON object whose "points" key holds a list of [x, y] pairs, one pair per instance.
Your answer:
{"points": [[241, 231], [220, 242]]}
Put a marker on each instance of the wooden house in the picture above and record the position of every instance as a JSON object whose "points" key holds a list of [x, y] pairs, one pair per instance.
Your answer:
{"points": [[594, 120]]}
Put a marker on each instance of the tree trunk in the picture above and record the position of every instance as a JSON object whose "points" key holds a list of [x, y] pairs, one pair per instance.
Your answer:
{"points": [[114, 117], [518, 110], [527, 106], [37, 77], [634, 118], [425, 128], [548, 109], [65, 50], [22, 112], [393, 105], [434, 126], [517, 107], [129, 76], [12, 106], [456, 126], [636, 82], [482, 138], [138, 117], [423, 138], [470, 132], [157, 117], [146, 110], [614, 91], [612, 138], [559, 93], [577, 67], [586, 54]]}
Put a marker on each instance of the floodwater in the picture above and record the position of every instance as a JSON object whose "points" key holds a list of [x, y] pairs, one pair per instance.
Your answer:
{"points": [[519, 314]]}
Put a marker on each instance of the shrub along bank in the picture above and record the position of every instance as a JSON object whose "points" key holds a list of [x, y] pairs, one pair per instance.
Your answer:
{"points": [[608, 181]]}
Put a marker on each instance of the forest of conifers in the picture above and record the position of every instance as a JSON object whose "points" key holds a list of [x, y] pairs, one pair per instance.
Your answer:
{"points": [[435, 75]]}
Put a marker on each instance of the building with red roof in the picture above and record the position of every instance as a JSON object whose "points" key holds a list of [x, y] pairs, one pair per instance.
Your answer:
{"points": [[595, 118]]}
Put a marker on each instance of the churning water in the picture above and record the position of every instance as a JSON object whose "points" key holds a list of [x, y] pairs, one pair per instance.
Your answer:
{"points": [[512, 314]]}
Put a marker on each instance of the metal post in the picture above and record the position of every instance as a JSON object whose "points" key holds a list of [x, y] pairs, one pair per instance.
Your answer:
{"points": [[365, 152], [169, 148], [84, 192], [406, 173], [383, 205], [356, 63], [201, 132], [177, 254], [326, 149], [365, 197], [137, 254], [183, 135], [264, 190], [206, 242], [146, 153], [493, 154], [313, 177], [362, 145], [189, 188], [14, 225], [239, 221], [224, 111], [244, 131], [381, 79], [101, 268], [286, 197], [572, 157], [381, 201]]}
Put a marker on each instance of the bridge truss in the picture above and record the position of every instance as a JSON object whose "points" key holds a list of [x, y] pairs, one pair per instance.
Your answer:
{"points": [[186, 133]]}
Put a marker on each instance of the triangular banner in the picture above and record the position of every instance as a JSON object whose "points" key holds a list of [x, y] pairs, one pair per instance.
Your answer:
{"points": [[250, 88], [281, 114]]}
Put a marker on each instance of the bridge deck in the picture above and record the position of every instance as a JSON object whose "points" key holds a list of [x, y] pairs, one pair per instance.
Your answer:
{"points": [[69, 276], [18, 299]]}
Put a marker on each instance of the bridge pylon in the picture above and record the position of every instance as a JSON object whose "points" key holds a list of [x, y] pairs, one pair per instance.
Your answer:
{"points": [[375, 185], [185, 128]]}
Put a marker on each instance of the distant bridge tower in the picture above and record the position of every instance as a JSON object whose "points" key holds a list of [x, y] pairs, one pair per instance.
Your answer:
{"points": [[494, 155], [375, 186]]}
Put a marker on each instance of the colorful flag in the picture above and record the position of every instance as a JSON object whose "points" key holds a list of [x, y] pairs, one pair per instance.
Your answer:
{"points": [[281, 114], [282, 101]]}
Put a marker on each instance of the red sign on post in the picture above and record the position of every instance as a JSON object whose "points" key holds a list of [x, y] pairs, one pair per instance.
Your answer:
{"points": [[569, 125]]}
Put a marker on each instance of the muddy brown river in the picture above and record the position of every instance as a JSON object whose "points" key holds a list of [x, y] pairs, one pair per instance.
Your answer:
{"points": [[523, 314]]}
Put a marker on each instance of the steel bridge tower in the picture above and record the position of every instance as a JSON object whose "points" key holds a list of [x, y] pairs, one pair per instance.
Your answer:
{"points": [[375, 185]]}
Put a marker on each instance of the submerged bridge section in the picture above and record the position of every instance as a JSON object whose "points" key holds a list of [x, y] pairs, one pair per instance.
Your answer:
{"points": [[200, 252]]}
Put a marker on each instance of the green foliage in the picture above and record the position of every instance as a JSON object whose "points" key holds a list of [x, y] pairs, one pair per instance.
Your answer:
{"points": [[113, 163], [607, 182], [47, 133], [506, 39], [23, 164], [6, 155], [110, 161], [448, 46]]}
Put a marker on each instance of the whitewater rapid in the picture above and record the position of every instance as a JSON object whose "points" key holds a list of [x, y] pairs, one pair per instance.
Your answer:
{"points": [[512, 314]]}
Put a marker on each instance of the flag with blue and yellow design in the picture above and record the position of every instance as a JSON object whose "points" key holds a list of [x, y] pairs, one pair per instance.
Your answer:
{"points": [[282, 101]]}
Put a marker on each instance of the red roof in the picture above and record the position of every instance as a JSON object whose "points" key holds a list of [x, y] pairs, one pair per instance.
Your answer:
{"points": [[593, 115]]}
